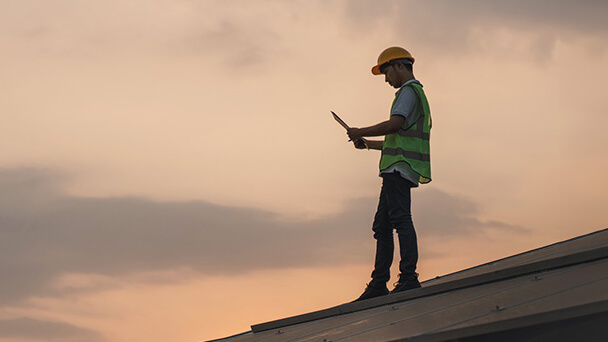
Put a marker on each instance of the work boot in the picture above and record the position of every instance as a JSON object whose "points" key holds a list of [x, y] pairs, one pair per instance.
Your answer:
{"points": [[406, 283], [372, 291]]}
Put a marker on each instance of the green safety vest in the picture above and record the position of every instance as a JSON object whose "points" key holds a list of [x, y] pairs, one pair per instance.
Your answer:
{"points": [[411, 144]]}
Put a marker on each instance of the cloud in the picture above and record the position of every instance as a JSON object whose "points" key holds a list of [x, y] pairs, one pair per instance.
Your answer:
{"points": [[237, 34], [443, 214], [244, 35], [32, 329], [46, 234], [514, 29]]}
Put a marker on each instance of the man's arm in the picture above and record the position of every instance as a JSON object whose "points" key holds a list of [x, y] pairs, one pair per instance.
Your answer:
{"points": [[386, 127], [369, 144], [374, 144]]}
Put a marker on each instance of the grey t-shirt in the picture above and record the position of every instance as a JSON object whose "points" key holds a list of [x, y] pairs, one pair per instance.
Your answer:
{"points": [[405, 105]]}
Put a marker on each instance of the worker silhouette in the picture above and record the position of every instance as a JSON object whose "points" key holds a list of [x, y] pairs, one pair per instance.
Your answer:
{"points": [[404, 163]]}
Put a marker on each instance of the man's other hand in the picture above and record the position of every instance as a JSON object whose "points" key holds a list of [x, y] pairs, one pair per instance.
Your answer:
{"points": [[360, 144]]}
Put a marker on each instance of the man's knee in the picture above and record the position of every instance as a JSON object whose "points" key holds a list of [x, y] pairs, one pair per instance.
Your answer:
{"points": [[383, 235], [405, 227]]}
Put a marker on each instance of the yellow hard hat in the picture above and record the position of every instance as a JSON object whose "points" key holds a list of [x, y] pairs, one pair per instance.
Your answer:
{"points": [[391, 54]]}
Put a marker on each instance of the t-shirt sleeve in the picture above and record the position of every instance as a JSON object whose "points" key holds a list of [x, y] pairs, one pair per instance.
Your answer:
{"points": [[406, 105]]}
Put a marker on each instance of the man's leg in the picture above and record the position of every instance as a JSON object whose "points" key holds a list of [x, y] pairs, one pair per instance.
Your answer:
{"points": [[398, 195], [385, 245], [383, 233]]}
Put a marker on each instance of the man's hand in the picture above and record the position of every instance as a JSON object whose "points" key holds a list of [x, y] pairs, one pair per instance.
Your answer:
{"points": [[360, 144], [354, 133], [386, 127]]}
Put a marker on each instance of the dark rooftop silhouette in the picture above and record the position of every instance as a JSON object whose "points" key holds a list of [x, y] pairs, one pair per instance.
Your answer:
{"points": [[555, 293]]}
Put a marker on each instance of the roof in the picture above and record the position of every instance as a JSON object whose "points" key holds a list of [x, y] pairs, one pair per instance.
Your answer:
{"points": [[557, 291]]}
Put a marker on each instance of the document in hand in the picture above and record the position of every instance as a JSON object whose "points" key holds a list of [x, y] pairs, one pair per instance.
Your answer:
{"points": [[340, 121], [343, 124]]}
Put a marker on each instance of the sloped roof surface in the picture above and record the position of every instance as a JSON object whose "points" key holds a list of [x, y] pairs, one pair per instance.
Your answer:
{"points": [[555, 287]]}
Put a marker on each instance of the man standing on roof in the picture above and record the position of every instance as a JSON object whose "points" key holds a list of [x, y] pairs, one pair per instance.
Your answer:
{"points": [[404, 163]]}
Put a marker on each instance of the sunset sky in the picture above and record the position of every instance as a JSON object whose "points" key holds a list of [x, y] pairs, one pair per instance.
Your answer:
{"points": [[170, 171]]}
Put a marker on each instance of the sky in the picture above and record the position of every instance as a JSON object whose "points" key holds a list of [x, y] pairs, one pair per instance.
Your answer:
{"points": [[170, 171]]}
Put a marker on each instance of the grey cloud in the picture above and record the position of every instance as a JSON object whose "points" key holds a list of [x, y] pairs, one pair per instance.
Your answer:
{"points": [[584, 16], [225, 32], [235, 44], [31, 329], [45, 233], [455, 25], [242, 38], [440, 213]]}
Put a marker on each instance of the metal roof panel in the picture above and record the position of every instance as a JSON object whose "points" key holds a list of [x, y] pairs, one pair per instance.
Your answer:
{"points": [[563, 280]]}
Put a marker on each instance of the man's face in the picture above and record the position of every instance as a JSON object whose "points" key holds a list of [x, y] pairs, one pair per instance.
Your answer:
{"points": [[391, 76]]}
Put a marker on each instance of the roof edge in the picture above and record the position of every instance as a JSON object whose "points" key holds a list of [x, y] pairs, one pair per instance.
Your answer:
{"points": [[490, 277], [523, 253], [578, 311]]}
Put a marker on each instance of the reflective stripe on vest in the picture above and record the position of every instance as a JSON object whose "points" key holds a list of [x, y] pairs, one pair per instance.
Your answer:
{"points": [[418, 133], [407, 154]]}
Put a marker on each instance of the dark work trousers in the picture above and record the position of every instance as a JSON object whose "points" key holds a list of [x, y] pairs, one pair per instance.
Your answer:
{"points": [[394, 212]]}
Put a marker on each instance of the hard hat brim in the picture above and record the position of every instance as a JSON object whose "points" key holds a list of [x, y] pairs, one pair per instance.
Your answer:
{"points": [[376, 70]]}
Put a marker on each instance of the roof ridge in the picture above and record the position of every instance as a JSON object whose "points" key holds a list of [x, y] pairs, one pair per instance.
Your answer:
{"points": [[471, 281], [519, 254]]}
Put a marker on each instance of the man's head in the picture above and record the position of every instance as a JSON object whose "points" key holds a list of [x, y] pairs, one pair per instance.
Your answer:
{"points": [[396, 64]]}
